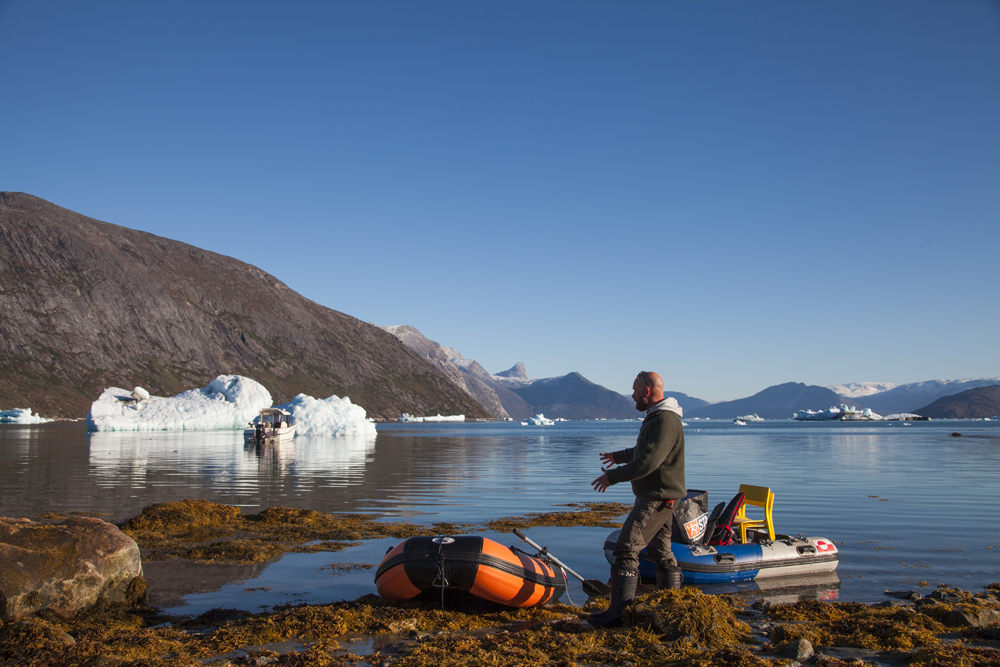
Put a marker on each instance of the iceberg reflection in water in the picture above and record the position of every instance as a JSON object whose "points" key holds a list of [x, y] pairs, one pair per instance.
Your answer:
{"points": [[219, 466]]}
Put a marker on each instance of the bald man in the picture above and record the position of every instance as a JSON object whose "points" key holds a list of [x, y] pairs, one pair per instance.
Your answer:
{"points": [[655, 467]]}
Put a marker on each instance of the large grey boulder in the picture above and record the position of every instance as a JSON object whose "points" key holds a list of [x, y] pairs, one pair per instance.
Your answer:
{"points": [[64, 568]]}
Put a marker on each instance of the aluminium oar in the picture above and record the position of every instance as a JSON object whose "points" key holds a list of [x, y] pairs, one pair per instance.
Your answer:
{"points": [[592, 587]]}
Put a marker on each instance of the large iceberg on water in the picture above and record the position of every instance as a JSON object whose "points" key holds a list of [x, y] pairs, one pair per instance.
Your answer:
{"points": [[331, 416], [843, 413], [229, 402], [21, 416]]}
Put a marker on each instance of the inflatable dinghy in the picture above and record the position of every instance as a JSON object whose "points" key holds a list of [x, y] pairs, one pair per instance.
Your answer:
{"points": [[469, 563], [783, 556]]}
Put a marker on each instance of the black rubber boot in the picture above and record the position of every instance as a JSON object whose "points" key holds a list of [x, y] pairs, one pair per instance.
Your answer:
{"points": [[623, 585], [669, 577]]}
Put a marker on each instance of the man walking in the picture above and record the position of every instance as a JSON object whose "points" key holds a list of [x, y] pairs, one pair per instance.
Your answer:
{"points": [[655, 466]]}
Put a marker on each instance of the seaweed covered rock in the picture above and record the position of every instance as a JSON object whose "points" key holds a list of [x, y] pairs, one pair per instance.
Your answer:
{"points": [[64, 568], [706, 620]]}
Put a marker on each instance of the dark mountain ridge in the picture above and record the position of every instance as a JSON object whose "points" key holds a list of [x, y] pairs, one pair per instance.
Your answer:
{"points": [[85, 305], [573, 396], [978, 403], [908, 397], [777, 402]]}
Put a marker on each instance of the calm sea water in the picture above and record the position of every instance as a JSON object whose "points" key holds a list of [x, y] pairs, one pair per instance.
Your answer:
{"points": [[907, 504]]}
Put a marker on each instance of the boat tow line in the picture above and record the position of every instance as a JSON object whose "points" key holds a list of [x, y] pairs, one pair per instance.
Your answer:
{"points": [[440, 578]]}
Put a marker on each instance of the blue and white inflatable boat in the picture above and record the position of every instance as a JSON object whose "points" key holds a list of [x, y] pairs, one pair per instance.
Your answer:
{"points": [[784, 556]]}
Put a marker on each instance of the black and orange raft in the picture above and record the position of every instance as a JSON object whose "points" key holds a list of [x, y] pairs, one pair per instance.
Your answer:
{"points": [[468, 563]]}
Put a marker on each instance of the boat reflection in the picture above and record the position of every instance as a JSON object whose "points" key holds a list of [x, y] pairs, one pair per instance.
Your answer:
{"points": [[823, 586]]}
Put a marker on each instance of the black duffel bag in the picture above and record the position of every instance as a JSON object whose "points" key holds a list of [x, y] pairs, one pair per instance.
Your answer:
{"points": [[690, 518]]}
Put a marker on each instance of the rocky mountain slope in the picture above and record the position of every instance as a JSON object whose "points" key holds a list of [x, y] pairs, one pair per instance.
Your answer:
{"points": [[85, 305], [495, 398], [970, 404]]}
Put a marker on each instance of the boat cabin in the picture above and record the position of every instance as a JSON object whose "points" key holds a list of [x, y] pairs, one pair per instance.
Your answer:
{"points": [[274, 417]]}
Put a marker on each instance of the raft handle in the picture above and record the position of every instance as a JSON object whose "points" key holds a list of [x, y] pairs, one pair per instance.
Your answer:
{"points": [[807, 549]]}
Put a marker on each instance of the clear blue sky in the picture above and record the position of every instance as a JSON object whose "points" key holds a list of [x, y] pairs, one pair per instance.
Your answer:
{"points": [[733, 194]]}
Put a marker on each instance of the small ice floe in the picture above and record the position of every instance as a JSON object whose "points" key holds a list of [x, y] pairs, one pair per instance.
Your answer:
{"points": [[739, 422], [538, 420], [749, 418], [21, 416], [229, 402], [407, 417], [333, 416]]}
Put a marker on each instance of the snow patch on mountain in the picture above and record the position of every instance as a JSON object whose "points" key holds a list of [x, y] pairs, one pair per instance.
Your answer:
{"points": [[858, 389]]}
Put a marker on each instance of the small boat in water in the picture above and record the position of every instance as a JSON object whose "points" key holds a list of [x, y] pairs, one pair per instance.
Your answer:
{"points": [[783, 556], [271, 425], [469, 563]]}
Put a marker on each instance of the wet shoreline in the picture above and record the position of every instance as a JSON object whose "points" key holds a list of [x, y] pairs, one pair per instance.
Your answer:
{"points": [[686, 627]]}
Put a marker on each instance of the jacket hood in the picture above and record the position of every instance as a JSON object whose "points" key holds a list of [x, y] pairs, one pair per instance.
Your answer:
{"points": [[669, 403]]}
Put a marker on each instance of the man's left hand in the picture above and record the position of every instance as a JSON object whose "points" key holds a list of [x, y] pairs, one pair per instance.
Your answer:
{"points": [[601, 484]]}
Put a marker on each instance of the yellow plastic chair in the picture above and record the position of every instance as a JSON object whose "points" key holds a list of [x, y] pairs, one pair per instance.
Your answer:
{"points": [[758, 496]]}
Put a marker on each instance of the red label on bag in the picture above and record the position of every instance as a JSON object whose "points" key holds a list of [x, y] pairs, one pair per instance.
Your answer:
{"points": [[696, 527]]}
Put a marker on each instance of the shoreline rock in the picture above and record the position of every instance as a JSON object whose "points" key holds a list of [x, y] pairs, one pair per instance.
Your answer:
{"points": [[64, 568]]}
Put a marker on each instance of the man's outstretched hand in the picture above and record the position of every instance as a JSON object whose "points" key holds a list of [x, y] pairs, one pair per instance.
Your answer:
{"points": [[601, 484]]}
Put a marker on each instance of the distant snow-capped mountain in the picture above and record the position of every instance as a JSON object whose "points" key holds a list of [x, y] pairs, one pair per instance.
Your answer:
{"points": [[910, 397], [514, 377]]}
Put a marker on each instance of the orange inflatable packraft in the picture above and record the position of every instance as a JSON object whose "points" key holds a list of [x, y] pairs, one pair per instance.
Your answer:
{"points": [[470, 563]]}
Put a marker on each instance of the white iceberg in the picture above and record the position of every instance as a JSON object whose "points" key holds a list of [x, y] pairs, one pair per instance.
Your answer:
{"points": [[843, 413], [905, 416], [538, 420], [333, 416], [407, 417], [866, 415], [749, 418], [21, 416], [229, 402]]}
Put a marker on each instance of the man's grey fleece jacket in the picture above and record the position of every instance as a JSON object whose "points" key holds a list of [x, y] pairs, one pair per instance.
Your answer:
{"points": [[655, 466]]}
